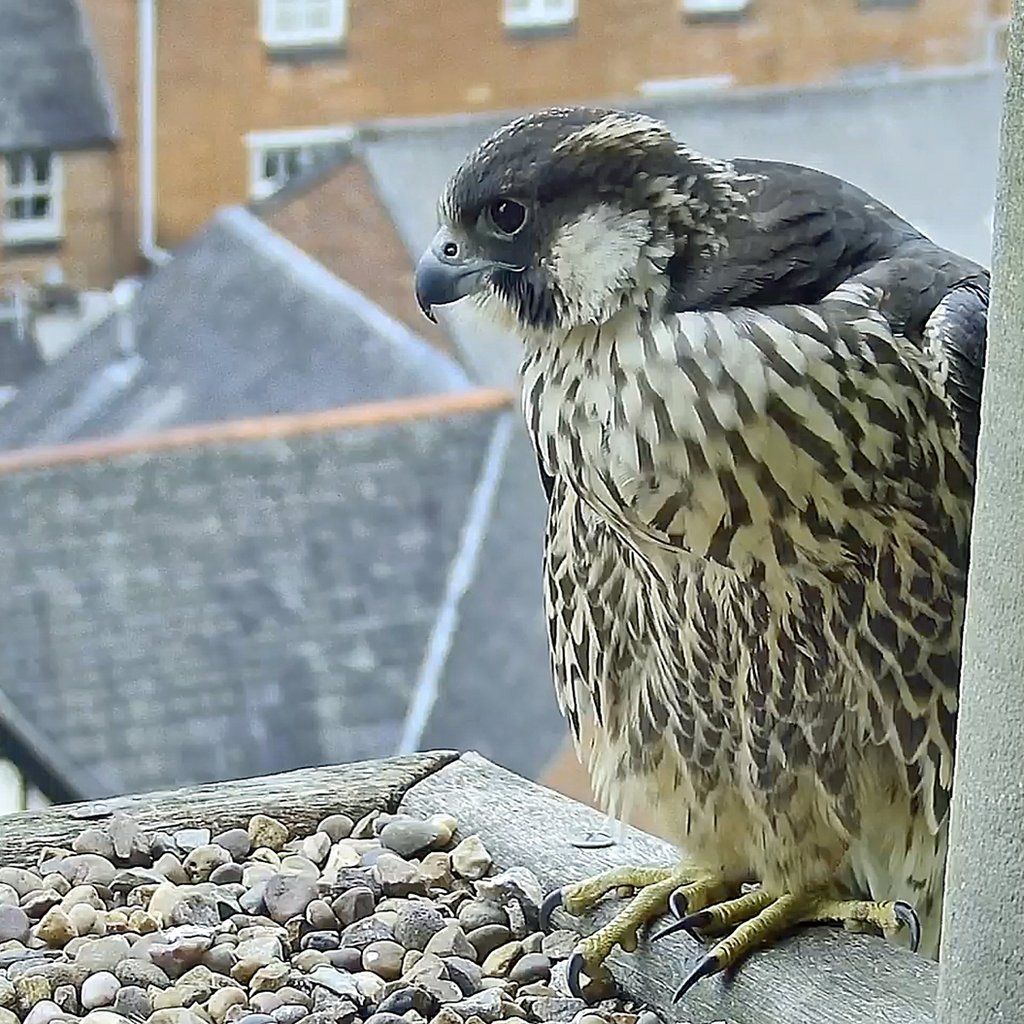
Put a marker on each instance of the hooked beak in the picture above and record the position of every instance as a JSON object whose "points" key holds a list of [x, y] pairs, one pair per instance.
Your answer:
{"points": [[443, 278]]}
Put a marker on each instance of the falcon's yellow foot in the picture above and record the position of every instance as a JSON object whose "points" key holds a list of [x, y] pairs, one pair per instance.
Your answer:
{"points": [[757, 918], [656, 889]]}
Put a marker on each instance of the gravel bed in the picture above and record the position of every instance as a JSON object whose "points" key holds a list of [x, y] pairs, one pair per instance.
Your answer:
{"points": [[386, 920]]}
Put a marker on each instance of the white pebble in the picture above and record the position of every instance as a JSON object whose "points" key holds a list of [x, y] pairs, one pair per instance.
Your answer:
{"points": [[99, 990], [470, 858]]}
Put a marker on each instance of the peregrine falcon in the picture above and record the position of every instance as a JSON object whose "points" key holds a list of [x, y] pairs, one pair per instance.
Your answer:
{"points": [[753, 391]]}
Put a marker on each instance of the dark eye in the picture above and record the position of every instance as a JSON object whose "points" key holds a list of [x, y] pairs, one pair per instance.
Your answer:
{"points": [[507, 215]]}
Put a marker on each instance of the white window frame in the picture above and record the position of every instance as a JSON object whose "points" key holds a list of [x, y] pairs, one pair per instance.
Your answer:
{"points": [[538, 13], [32, 229], [700, 7], [274, 35], [305, 140]]}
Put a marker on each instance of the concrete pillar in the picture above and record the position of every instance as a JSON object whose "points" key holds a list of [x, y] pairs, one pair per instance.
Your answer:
{"points": [[981, 975]]}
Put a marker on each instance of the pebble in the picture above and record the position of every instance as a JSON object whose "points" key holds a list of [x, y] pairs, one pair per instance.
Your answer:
{"points": [[529, 968], [488, 938], [346, 959], [499, 961], [103, 954], [56, 929], [204, 860], [287, 896], [384, 959], [99, 989], [43, 1012], [141, 973], [337, 827], [470, 858], [14, 924], [397, 877], [267, 832], [133, 1001], [188, 839], [465, 973], [416, 924], [236, 841], [451, 941], [560, 944], [409, 837], [362, 933], [558, 1008], [354, 905]]}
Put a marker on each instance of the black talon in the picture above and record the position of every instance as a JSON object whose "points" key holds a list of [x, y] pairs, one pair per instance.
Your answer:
{"points": [[678, 904], [682, 925], [709, 965], [553, 900], [573, 971], [907, 916]]}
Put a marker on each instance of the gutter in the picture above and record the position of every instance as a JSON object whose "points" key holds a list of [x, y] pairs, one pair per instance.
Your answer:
{"points": [[147, 135]]}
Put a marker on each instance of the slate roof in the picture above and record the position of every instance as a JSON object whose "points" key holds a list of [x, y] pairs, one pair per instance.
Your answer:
{"points": [[178, 613], [53, 93], [239, 323], [926, 146]]}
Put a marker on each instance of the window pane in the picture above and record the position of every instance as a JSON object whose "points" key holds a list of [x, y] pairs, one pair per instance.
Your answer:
{"points": [[40, 207], [293, 158], [271, 164], [318, 15], [41, 167], [15, 209], [15, 170]]}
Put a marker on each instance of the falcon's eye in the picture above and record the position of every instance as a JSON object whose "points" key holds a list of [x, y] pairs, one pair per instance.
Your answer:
{"points": [[507, 215]]}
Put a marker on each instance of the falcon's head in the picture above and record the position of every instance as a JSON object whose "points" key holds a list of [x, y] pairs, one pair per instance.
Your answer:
{"points": [[562, 217]]}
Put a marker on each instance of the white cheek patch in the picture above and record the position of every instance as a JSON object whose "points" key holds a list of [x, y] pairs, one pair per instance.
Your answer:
{"points": [[594, 257]]}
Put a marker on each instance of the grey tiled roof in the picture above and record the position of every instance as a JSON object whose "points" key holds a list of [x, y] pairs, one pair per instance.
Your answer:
{"points": [[239, 323], [52, 90], [233, 609], [926, 146]]}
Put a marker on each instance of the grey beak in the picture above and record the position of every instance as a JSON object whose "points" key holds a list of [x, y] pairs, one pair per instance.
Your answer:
{"points": [[441, 280]]}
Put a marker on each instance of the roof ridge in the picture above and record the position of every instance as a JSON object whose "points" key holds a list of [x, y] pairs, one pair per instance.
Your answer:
{"points": [[260, 428]]}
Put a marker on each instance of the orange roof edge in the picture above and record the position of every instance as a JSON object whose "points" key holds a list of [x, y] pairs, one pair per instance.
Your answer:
{"points": [[262, 428]]}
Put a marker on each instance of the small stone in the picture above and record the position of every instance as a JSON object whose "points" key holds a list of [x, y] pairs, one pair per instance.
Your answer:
{"points": [[408, 837], [181, 949], [470, 858], [410, 998], [103, 954], [451, 941], [287, 896], [141, 974], [416, 924], [187, 839], [204, 860], [320, 916], [486, 1005], [266, 831], [362, 933], [133, 1002], [499, 961], [294, 864], [336, 826], [529, 968], [255, 1018], [488, 938], [479, 913], [222, 1000], [321, 941], [334, 981], [316, 847], [269, 978], [82, 917], [261, 948], [348, 958], [384, 959], [557, 1008], [436, 871], [9, 895], [226, 874], [8, 1017], [14, 924], [648, 1017], [66, 997], [393, 1018], [171, 868], [31, 989], [340, 858], [56, 929], [445, 825], [86, 869], [129, 841], [560, 944], [289, 1013], [99, 989], [35, 904], [518, 883], [397, 877], [236, 841], [142, 922], [220, 959], [173, 1015], [251, 901], [354, 905], [107, 1017], [465, 973], [23, 882], [94, 840], [7, 993], [43, 1012]]}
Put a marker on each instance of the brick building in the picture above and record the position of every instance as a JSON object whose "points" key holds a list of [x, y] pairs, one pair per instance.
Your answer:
{"points": [[249, 94]]}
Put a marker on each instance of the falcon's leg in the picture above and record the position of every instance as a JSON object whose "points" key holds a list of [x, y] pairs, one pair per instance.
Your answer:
{"points": [[684, 888], [758, 918]]}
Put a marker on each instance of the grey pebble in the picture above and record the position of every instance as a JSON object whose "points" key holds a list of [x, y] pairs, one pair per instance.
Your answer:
{"points": [[226, 874], [410, 998], [465, 973], [256, 1018], [14, 924], [354, 905], [408, 837], [362, 933], [337, 826], [417, 924], [99, 989], [529, 968], [94, 840], [488, 938], [236, 841], [384, 959], [196, 908], [348, 878], [141, 973], [220, 958], [451, 941], [346, 959], [478, 913], [251, 901], [557, 1008], [322, 941], [320, 915], [187, 839], [287, 896], [103, 954], [560, 944], [66, 997], [290, 1013], [397, 877], [132, 1001], [385, 1018]]}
